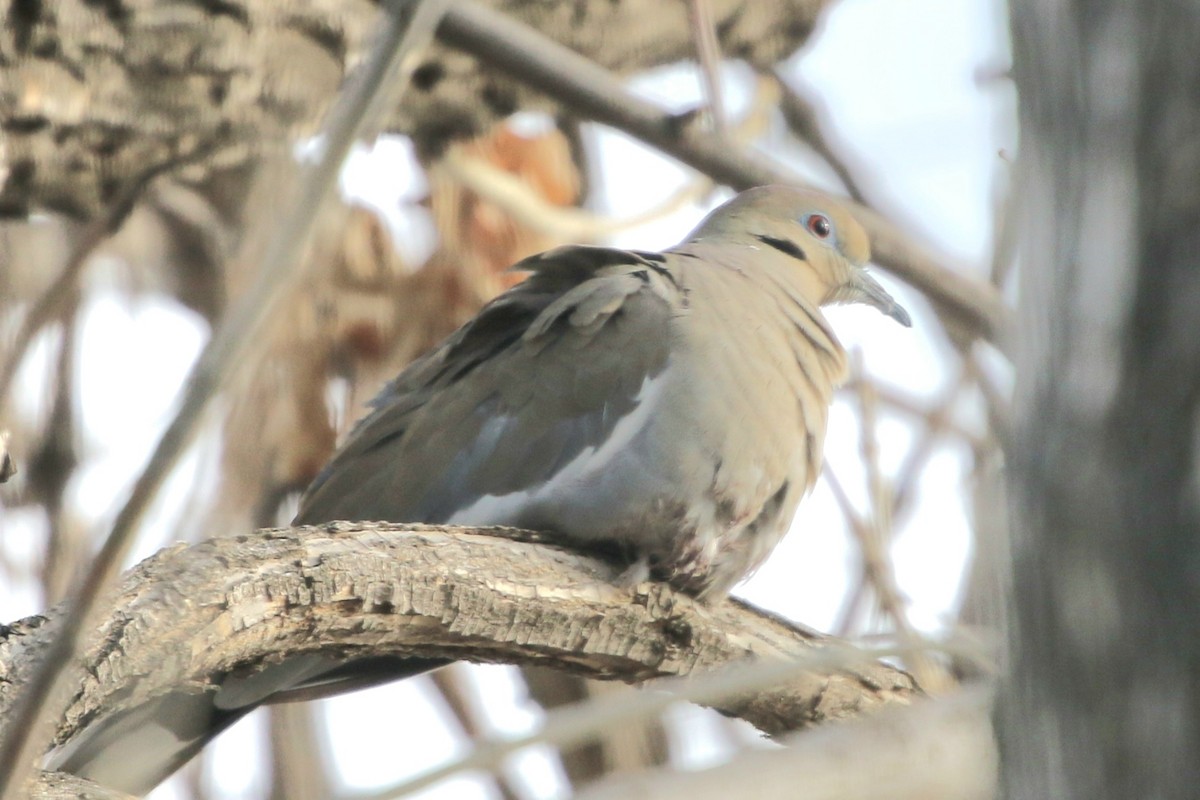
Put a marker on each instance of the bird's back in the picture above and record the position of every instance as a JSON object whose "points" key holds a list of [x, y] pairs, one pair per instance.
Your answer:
{"points": [[604, 401], [545, 375]]}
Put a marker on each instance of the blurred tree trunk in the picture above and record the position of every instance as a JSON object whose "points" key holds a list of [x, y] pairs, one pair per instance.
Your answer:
{"points": [[1104, 697]]}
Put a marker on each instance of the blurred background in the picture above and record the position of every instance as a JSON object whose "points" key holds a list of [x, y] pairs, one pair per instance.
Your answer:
{"points": [[915, 116]]}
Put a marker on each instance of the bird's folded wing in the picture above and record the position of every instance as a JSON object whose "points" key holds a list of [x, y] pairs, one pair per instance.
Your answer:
{"points": [[544, 371]]}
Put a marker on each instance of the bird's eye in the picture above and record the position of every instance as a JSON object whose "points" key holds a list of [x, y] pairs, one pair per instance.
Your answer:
{"points": [[819, 226]]}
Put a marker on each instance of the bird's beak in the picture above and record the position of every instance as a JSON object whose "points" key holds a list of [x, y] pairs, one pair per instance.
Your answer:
{"points": [[866, 289]]}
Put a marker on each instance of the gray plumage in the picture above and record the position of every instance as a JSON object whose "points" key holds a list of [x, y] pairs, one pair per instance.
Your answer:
{"points": [[669, 405]]}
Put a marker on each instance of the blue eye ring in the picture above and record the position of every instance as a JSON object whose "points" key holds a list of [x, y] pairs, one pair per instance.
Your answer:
{"points": [[818, 225]]}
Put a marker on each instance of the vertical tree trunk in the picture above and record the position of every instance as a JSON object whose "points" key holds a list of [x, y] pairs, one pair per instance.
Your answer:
{"points": [[1104, 697]]}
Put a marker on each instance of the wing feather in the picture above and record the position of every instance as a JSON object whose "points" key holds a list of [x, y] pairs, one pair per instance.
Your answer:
{"points": [[543, 372]]}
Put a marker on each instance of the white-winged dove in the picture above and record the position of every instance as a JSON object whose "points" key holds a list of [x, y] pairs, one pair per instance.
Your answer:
{"points": [[671, 405]]}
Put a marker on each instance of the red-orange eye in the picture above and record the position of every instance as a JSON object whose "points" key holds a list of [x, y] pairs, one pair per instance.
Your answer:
{"points": [[819, 226]]}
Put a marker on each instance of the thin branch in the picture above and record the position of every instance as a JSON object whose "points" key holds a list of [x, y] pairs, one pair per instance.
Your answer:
{"points": [[852, 607], [878, 528], [592, 92], [568, 222], [879, 531], [997, 402], [937, 424], [577, 224], [296, 758], [455, 690], [899, 400], [54, 462], [878, 491], [877, 572], [383, 77], [858, 527], [708, 54], [8, 467], [1004, 225], [803, 120], [575, 724], [58, 295]]}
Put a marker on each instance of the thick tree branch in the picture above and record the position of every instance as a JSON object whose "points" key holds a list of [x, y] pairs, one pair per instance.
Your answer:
{"points": [[58, 786], [91, 92], [187, 617]]}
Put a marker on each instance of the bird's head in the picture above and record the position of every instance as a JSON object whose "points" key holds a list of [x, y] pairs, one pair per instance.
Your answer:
{"points": [[827, 244]]}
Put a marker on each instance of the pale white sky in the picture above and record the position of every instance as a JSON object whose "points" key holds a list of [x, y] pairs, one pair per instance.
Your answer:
{"points": [[900, 82]]}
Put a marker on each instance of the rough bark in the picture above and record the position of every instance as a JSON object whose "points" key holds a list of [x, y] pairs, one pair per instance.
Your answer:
{"points": [[57, 786], [1104, 699], [93, 94], [190, 615]]}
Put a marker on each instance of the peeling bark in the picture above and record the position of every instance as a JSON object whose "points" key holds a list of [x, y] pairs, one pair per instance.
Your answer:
{"points": [[188, 616]]}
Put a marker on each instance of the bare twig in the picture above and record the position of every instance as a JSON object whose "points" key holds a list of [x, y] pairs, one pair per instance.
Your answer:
{"points": [[803, 119], [708, 53], [876, 554], [58, 295], [592, 92], [899, 400], [852, 607], [55, 460], [568, 222], [577, 224], [1004, 225], [997, 403], [383, 77], [8, 467], [577, 723], [298, 767], [878, 491], [937, 423], [858, 527], [452, 685]]}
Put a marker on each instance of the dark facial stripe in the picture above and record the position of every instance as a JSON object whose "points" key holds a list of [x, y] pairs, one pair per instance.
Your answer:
{"points": [[783, 246]]}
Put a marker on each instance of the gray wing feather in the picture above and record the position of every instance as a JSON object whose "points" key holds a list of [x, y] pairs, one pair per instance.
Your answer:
{"points": [[543, 372]]}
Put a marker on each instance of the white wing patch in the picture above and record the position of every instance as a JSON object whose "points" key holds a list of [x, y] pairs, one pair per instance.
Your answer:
{"points": [[583, 469]]}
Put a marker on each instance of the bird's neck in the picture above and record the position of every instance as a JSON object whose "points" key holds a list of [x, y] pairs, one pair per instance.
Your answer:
{"points": [[786, 287]]}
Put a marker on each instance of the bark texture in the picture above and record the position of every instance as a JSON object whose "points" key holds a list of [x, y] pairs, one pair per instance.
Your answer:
{"points": [[93, 95], [188, 616], [57, 786]]}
